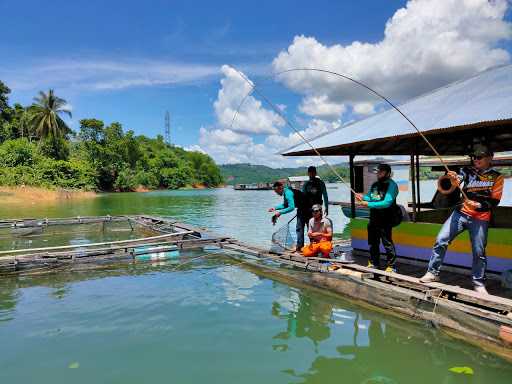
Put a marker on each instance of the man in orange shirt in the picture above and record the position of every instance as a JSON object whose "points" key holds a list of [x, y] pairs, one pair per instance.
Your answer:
{"points": [[483, 187], [319, 233]]}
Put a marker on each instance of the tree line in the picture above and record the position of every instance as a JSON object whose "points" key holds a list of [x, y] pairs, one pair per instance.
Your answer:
{"points": [[250, 173], [37, 148]]}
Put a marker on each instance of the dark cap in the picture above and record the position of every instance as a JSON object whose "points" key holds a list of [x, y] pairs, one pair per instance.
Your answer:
{"points": [[311, 168], [382, 167], [481, 150]]}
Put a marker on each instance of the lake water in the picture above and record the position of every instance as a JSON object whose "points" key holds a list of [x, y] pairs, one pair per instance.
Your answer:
{"points": [[212, 321]]}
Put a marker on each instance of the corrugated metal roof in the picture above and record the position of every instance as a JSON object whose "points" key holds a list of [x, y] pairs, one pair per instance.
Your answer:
{"points": [[476, 103]]}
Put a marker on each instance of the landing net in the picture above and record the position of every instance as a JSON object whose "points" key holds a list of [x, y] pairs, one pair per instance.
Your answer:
{"points": [[284, 239]]}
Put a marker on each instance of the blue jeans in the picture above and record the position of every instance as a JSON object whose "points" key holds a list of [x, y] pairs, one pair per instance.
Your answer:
{"points": [[302, 221], [457, 223]]}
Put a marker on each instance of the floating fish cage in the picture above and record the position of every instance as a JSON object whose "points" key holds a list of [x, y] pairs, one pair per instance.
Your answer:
{"points": [[49, 243]]}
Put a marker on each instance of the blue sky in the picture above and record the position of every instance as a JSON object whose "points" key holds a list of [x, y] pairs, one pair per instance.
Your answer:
{"points": [[131, 61]]}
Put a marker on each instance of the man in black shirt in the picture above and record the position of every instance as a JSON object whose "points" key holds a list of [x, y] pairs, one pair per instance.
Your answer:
{"points": [[315, 190]]}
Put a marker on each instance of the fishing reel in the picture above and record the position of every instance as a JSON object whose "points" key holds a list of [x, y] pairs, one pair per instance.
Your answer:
{"points": [[446, 185]]}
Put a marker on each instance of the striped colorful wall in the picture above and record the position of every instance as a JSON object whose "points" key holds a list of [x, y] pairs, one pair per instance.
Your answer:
{"points": [[415, 240]]}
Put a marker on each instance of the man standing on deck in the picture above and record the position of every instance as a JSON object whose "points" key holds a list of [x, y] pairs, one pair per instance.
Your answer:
{"points": [[483, 187], [292, 198], [314, 193], [380, 199]]}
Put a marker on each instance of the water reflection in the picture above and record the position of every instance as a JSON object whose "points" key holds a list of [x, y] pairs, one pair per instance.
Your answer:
{"points": [[305, 317], [9, 296], [356, 346], [214, 314]]}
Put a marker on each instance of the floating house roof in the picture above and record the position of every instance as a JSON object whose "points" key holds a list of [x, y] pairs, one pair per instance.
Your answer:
{"points": [[452, 118]]}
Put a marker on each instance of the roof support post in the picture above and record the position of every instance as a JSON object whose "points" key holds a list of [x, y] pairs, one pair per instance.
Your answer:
{"points": [[412, 173], [352, 185], [418, 182]]}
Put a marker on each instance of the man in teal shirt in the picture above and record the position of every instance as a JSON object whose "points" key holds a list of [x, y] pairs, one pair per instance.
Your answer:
{"points": [[380, 199], [292, 199]]}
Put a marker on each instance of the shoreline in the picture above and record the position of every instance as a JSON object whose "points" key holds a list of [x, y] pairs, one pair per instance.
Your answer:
{"points": [[28, 194], [33, 195]]}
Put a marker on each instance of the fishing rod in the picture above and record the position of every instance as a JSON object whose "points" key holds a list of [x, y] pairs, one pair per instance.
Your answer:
{"points": [[438, 155]]}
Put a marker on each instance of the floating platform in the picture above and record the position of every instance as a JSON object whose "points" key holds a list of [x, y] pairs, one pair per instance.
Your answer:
{"points": [[484, 320]]}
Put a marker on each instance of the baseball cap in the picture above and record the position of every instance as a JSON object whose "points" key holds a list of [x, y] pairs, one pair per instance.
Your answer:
{"points": [[382, 167], [481, 150]]}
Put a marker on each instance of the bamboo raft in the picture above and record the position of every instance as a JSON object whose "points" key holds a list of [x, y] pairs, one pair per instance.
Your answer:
{"points": [[484, 320]]}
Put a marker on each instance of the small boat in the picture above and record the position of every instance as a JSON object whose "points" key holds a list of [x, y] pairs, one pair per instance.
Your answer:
{"points": [[347, 210], [253, 187]]}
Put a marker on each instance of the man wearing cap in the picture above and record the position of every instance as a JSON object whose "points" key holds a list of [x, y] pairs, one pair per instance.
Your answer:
{"points": [[315, 191], [380, 199], [483, 186], [292, 199], [319, 233]]}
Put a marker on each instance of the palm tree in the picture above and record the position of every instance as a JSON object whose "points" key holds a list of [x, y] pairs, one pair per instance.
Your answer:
{"points": [[45, 115]]}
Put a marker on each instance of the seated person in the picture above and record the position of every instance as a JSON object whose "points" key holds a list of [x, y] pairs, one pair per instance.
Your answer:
{"points": [[319, 233]]}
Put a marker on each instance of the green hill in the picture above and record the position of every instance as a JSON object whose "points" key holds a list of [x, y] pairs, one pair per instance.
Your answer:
{"points": [[250, 173]]}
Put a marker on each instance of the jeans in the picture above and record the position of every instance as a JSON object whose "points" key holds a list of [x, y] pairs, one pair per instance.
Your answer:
{"points": [[376, 234], [457, 223], [302, 221]]}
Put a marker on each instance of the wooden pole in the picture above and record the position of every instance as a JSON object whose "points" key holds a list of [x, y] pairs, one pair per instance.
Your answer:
{"points": [[418, 182], [413, 183], [352, 185]]}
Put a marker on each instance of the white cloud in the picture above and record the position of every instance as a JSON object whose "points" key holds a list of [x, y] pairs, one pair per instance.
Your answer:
{"points": [[221, 137], [194, 148], [315, 127], [426, 44], [68, 107], [233, 99], [322, 107], [104, 74], [231, 141], [364, 108], [226, 146]]}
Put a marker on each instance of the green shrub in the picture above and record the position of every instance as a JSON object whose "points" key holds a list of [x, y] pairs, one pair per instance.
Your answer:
{"points": [[17, 152], [147, 179], [126, 181]]}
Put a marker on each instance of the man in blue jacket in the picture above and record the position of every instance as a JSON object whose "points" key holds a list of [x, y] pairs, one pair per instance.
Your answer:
{"points": [[292, 199], [380, 199]]}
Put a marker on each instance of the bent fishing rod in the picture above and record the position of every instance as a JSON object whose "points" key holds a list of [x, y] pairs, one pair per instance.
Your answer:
{"points": [[346, 77]]}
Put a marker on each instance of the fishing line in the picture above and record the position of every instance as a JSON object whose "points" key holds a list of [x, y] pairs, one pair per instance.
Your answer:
{"points": [[278, 111], [356, 82]]}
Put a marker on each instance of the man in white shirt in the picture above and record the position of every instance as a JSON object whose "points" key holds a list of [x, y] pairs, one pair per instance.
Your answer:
{"points": [[319, 233]]}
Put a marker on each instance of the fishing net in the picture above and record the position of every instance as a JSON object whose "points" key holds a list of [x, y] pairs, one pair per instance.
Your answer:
{"points": [[284, 239]]}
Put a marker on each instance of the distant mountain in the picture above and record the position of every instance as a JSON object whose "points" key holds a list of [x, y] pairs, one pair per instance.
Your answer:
{"points": [[251, 173]]}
